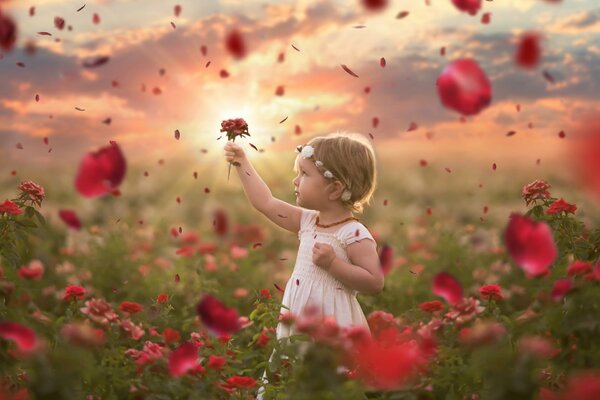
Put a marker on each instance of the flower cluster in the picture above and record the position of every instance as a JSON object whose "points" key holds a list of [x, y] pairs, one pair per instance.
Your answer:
{"points": [[535, 190], [234, 128], [32, 191], [307, 151]]}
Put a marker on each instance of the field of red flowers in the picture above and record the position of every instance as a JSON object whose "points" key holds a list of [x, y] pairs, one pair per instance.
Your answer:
{"points": [[502, 305]]}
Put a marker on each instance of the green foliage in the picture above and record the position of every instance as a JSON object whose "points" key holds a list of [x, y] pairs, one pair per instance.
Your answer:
{"points": [[110, 263]]}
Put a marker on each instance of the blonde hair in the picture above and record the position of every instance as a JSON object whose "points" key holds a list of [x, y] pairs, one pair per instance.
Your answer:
{"points": [[351, 159]]}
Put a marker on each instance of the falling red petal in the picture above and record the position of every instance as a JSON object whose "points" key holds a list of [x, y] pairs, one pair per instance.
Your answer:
{"points": [[530, 244], [349, 71], [236, 44], [464, 87], [446, 286], [101, 172]]}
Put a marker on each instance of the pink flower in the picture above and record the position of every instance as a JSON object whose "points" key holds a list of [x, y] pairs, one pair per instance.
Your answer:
{"points": [[464, 311], [561, 205], [134, 331], [10, 208], [83, 334], [535, 190], [537, 346], [33, 271], [99, 311], [150, 353], [482, 333], [238, 252], [32, 191]]}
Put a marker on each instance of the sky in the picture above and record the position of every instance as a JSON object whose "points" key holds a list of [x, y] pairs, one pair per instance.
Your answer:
{"points": [[150, 47]]}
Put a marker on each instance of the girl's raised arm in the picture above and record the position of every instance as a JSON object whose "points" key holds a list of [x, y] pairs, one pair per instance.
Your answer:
{"points": [[258, 193]]}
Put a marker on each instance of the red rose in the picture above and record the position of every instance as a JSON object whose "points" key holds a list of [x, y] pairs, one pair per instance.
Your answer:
{"points": [[130, 307], [535, 190], [171, 335], [33, 271], [491, 292], [243, 382], [431, 306], [162, 298], [10, 207], [561, 205], [579, 268], [32, 191], [215, 362], [73, 293]]}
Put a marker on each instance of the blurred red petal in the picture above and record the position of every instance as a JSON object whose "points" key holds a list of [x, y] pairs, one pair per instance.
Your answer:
{"points": [[374, 5], [561, 288], [8, 32], [216, 316], [235, 44], [182, 359], [528, 50], [468, 6], [464, 87], [349, 71], [101, 172], [70, 218], [530, 244], [446, 286], [23, 336], [59, 23], [386, 258], [583, 153]]}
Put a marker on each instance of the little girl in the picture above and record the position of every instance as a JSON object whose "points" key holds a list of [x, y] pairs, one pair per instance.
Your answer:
{"points": [[337, 256]]}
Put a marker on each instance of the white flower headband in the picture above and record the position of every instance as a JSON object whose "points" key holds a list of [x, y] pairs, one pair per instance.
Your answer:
{"points": [[307, 151]]}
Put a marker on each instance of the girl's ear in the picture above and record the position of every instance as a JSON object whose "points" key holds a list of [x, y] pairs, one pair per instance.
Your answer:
{"points": [[336, 189]]}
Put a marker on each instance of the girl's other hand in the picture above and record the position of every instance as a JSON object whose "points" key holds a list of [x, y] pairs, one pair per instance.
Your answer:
{"points": [[234, 153]]}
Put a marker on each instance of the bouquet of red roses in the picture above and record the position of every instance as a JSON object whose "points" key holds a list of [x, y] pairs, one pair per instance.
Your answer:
{"points": [[234, 128]]}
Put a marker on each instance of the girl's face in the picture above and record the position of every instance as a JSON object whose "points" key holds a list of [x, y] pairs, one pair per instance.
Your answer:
{"points": [[310, 185]]}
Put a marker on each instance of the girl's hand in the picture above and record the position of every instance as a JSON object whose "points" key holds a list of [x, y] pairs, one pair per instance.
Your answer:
{"points": [[323, 255], [234, 153]]}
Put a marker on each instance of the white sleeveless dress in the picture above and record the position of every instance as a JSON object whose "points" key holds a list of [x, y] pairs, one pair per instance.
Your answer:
{"points": [[312, 284]]}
